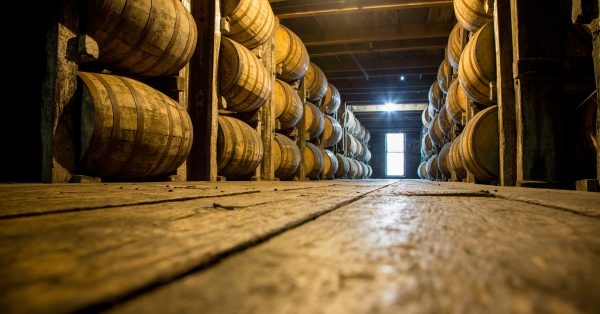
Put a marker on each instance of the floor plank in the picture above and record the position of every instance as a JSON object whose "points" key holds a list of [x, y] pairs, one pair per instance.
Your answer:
{"points": [[83, 260], [396, 253], [37, 199]]}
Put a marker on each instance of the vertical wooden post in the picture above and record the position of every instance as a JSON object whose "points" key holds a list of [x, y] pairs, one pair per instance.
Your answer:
{"points": [[203, 91], [59, 87], [301, 136], [537, 41], [507, 128], [267, 116]]}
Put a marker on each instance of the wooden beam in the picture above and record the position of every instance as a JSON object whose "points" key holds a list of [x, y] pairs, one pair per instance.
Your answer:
{"points": [[203, 98], [404, 32], [384, 83], [507, 128], [415, 44], [382, 98], [336, 77], [396, 63], [319, 8]]}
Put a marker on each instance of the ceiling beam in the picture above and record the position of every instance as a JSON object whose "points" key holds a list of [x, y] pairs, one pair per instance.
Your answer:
{"points": [[383, 82], [382, 98], [379, 47], [418, 31], [395, 63], [301, 9], [336, 77]]}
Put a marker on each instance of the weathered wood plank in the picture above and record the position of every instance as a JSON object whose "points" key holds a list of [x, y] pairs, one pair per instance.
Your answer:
{"points": [[398, 254], [84, 260], [37, 199]]}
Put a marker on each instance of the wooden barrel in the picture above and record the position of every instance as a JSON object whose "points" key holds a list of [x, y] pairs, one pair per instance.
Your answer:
{"points": [[360, 135], [288, 105], [433, 172], [353, 171], [444, 161], [435, 98], [471, 14], [332, 133], [479, 145], [239, 148], [367, 136], [350, 146], [435, 132], [455, 45], [478, 65], [330, 164], [243, 80], [369, 172], [362, 170], [456, 164], [286, 156], [367, 155], [332, 100], [350, 122], [426, 145], [316, 82], [425, 118], [442, 77], [423, 170], [251, 22], [129, 130], [314, 122], [343, 166], [444, 121], [144, 38], [457, 102], [291, 55], [312, 160], [432, 112]]}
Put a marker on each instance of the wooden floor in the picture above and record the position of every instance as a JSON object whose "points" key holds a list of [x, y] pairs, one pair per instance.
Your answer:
{"points": [[371, 246]]}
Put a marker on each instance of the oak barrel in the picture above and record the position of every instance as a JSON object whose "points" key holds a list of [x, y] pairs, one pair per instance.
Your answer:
{"points": [[442, 77], [426, 145], [350, 145], [423, 170], [479, 145], [251, 22], [330, 164], [314, 122], [435, 131], [312, 160], [444, 161], [432, 168], [471, 14], [145, 38], [291, 55], [456, 163], [455, 45], [332, 100], [316, 82], [286, 156], [353, 170], [445, 121], [367, 136], [435, 98], [369, 172], [288, 105], [478, 65], [425, 118], [457, 102], [130, 130], [332, 133], [243, 80], [367, 155], [343, 166], [239, 148]]}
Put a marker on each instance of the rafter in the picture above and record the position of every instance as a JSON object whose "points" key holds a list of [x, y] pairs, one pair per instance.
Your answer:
{"points": [[379, 47], [300, 9]]}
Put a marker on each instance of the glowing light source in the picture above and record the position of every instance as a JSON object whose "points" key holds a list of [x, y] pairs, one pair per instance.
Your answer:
{"points": [[389, 107], [402, 77]]}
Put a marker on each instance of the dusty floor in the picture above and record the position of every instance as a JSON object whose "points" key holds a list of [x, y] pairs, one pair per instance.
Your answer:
{"points": [[372, 246]]}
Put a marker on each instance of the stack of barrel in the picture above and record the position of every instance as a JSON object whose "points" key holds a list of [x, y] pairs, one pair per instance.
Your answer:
{"points": [[356, 153], [460, 133], [129, 130]]}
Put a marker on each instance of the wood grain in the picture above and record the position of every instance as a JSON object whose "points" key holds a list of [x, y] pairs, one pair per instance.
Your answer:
{"points": [[399, 254], [84, 260]]}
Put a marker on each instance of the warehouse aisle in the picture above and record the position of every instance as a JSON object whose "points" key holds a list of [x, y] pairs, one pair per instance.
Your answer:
{"points": [[303, 247]]}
